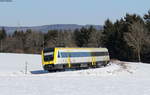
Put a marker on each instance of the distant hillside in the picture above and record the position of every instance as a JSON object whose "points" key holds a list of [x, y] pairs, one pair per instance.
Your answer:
{"points": [[45, 28]]}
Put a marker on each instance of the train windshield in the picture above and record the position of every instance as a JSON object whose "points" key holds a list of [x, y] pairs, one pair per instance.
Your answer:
{"points": [[48, 54]]}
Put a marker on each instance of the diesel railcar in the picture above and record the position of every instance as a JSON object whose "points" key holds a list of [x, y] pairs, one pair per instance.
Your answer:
{"points": [[62, 58]]}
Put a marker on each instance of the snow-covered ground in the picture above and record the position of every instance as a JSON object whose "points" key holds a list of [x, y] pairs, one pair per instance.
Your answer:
{"points": [[115, 79]]}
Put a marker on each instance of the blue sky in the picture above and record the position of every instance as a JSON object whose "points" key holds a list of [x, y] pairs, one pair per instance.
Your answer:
{"points": [[45, 12]]}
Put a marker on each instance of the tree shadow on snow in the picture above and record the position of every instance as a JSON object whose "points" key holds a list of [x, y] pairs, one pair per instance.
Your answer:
{"points": [[39, 72], [54, 71]]}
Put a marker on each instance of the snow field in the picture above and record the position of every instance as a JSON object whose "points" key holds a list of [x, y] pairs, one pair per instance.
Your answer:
{"points": [[111, 80]]}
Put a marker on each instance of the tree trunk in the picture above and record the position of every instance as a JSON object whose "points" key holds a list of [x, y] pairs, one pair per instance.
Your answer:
{"points": [[1, 49], [139, 56]]}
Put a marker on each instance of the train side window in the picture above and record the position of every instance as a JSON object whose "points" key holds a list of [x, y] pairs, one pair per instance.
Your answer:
{"points": [[74, 54], [99, 53], [59, 55], [80, 54], [64, 54]]}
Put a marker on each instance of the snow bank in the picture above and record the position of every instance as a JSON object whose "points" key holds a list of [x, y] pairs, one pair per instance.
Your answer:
{"points": [[14, 64]]}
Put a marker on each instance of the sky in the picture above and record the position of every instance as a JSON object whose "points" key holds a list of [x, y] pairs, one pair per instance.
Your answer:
{"points": [[46, 12]]}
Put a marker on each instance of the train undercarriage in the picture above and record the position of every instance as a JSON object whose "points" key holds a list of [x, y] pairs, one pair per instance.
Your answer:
{"points": [[76, 66]]}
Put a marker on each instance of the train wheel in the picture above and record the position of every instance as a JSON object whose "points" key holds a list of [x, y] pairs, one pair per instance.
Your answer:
{"points": [[52, 70]]}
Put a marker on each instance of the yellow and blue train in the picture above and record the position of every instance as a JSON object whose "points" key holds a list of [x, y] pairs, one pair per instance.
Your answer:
{"points": [[62, 58]]}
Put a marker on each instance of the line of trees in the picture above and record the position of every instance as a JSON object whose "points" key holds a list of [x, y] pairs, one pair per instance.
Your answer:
{"points": [[31, 41], [127, 39]]}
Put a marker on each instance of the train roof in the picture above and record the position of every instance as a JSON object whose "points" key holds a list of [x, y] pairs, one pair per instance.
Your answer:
{"points": [[78, 48], [70, 48]]}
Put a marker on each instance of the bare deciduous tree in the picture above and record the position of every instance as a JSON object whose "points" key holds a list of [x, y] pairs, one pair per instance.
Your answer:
{"points": [[137, 37], [34, 41], [95, 39], [69, 39]]}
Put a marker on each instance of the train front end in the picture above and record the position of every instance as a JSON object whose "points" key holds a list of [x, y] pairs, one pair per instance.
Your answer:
{"points": [[48, 58]]}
